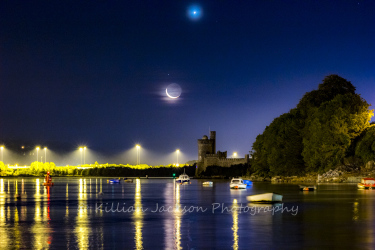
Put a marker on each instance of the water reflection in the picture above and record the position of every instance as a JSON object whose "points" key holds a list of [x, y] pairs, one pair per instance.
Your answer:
{"points": [[138, 215], [4, 241], [82, 229], [355, 211], [235, 224], [178, 215], [40, 228]]}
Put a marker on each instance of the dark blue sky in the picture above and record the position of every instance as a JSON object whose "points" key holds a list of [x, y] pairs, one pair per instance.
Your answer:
{"points": [[92, 72]]}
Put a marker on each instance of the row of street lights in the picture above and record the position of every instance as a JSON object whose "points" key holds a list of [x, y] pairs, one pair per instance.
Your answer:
{"points": [[37, 151], [138, 147], [83, 155]]}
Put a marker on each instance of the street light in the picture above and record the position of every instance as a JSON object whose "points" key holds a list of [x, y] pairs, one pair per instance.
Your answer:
{"points": [[37, 152], [45, 154], [138, 154], [235, 155], [2, 156], [177, 152], [84, 155], [81, 149]]}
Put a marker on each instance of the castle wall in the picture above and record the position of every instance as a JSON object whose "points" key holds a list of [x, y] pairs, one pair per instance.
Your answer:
{"points": [[215, 161]]}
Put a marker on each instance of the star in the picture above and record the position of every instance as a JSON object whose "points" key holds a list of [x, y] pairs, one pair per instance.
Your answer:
{"points": [[194, 12]]}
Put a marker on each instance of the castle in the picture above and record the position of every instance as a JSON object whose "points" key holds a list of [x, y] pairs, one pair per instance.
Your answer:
{"points": [[208, 157]]}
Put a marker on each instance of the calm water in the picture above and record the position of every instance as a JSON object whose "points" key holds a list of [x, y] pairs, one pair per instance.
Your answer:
{"points": [[73, 214]]}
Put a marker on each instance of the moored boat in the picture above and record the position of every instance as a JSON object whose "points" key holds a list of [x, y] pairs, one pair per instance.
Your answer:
{"points": [[367, 183], [128, 180], [307, 188], [183, 179], [248, 182], [112, 181], [265, 198], [237, 183], [208, 183]]}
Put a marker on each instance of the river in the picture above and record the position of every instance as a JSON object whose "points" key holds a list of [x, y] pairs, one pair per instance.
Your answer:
{"points": [[89, 213]]}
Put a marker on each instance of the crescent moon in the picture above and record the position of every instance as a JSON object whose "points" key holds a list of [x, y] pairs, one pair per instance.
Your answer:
{"points": [[173, 97]]}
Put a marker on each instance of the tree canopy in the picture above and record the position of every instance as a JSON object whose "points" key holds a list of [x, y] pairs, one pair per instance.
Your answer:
{"points": [[316, 135]]}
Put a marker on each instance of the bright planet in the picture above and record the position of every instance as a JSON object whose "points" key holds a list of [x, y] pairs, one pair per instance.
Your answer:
{"points": [[173, 90]]}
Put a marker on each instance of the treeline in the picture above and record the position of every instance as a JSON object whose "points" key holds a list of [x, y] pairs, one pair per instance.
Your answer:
{"points": [[329, 127], [225, 172], [41, 169], [165, 171]]}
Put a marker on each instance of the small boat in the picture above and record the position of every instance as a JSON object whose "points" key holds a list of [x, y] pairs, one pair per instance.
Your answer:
{"points": [[112, 181], [248, 183], [184, 178], [307, 188], [237, 183], [367, 183], [128, 180], [265, 198], [208, 183]]}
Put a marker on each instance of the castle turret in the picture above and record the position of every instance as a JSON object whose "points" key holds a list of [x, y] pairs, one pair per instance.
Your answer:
{"points": [[205, 146], [213, 138]]}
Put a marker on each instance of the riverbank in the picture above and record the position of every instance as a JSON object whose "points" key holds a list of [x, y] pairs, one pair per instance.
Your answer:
{"points": [[339, 175]]}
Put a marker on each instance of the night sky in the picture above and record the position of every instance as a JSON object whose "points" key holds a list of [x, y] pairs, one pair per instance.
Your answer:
{"points": [[94, 72]]}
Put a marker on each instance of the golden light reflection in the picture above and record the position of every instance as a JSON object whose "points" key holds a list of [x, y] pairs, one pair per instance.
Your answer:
{"points": [[177, 214], [138, 215], [16, 230], [16, 185], [235, 224], [67, 202], [82, 229], [40, 229], [355, 211], [37, 188], [4, 239], [2, 186]]}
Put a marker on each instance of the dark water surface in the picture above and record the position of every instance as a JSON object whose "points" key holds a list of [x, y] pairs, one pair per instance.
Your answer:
{"points": [[74, 214]]}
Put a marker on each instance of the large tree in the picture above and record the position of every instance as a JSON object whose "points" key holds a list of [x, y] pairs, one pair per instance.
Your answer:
{"points": [[316, 135], [331, 128]]}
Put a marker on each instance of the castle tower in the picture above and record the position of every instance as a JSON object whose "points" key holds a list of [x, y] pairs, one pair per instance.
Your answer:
{"points": [[213, 139], [205, 146]]}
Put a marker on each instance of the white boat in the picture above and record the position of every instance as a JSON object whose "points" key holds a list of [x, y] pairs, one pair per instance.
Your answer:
{"points": [[208, 183], [184, 178], [237, 183], [265, 198]]}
